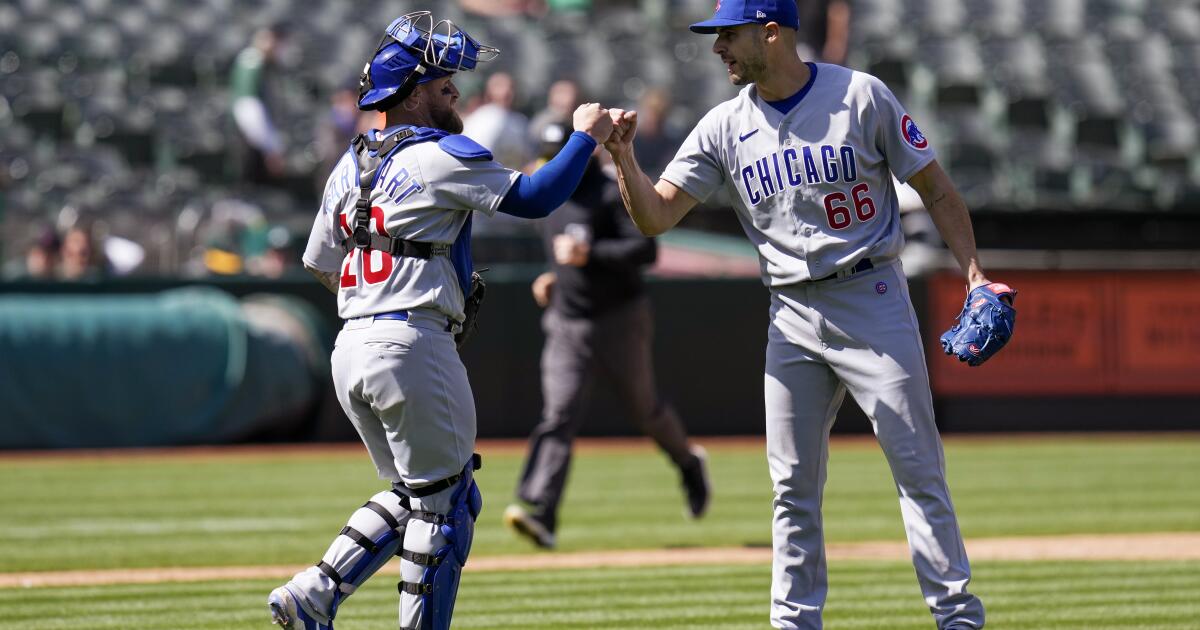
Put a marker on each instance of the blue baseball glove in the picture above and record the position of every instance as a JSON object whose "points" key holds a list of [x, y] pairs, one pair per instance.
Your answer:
{"points": [[985, 324]]}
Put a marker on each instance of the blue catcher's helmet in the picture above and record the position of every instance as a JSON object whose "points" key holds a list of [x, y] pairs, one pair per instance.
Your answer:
{"points": [[413, 51]]}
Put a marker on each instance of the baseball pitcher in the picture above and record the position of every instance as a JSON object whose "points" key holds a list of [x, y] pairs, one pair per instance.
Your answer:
{"points": [[807, 151]]}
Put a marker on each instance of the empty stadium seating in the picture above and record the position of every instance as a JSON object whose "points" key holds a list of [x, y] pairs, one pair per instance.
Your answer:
{"points": [[1088, 104], [118, 108]]}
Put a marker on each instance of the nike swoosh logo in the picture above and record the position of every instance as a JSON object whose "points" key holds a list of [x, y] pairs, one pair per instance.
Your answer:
{"points": [[743, 138]]}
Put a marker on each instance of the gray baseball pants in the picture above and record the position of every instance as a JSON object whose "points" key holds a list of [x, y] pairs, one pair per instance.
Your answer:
{"points": [[615, 345], [405, 390], [856, 335]]}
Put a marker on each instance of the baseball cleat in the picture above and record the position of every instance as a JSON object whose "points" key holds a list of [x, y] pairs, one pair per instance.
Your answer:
{"points": [[525, 524], [696, 484], [287, 613]]}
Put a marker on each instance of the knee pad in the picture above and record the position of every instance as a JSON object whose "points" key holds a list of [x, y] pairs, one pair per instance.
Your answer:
{"points": [[442, 568], [370, 538]]}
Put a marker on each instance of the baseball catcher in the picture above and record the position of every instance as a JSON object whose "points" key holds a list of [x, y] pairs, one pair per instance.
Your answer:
{"points": [[392, 239]]}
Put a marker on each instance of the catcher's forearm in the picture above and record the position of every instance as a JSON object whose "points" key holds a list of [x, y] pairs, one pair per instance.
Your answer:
{"points": [[328, 279], [953, 221]]}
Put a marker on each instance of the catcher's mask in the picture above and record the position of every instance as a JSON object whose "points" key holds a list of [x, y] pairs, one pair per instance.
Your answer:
{"points": [[415, 50]]}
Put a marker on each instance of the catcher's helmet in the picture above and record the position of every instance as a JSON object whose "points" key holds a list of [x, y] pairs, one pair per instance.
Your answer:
{"points": [[413, 51]]}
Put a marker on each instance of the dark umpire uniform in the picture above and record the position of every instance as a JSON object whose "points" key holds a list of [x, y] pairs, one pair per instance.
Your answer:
{"points": [[598, 322]]}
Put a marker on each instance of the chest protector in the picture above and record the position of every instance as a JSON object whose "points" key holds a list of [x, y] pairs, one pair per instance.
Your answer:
{"points": [[370, 153]]}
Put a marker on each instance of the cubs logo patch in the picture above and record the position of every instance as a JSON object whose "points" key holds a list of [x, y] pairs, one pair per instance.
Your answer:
{"points": [[760, 15], [912, 134], [974, 349], [881, 287]]}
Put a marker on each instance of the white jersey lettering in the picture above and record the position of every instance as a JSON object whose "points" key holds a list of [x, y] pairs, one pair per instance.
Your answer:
{"points": [[766, 177]]}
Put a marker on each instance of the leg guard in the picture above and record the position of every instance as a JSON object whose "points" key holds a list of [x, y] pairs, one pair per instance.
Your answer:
{"points": [[436, 545], [370, 538]]}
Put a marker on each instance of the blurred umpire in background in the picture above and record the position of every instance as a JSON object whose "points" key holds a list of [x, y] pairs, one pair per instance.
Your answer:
{"points": [[597, 322]]}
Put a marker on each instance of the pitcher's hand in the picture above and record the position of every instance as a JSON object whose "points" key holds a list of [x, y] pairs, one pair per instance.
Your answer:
{"points": [[624, 128]]}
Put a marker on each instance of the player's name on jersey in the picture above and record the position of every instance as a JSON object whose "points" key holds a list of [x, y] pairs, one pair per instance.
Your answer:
{"points": [[797, 166], [344, 176], [397, 186]]}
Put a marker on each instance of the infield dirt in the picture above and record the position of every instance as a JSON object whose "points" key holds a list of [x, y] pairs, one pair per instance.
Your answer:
{"points": [[1161, 546]]}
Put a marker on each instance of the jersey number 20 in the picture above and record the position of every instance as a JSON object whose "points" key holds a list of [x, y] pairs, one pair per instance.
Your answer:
{"points": [[839, 215], [371, 274]]}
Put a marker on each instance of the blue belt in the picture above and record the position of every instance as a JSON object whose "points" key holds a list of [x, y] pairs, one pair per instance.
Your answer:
{"points": [[402, 316], [860, 266]]}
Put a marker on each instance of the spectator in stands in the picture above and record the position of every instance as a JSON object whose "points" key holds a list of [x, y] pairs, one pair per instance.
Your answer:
{"points": [[121, 256], [824, 30], [561, 100], [78, 259], [496, 126], [341, 123], [261, 148], [598, 323], [503, 8], [41, 260], [657, 142], [276, 260], [576, 6]]}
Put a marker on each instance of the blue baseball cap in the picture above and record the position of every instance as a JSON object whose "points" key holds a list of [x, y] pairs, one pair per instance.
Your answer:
{"points": [[735, 12]]}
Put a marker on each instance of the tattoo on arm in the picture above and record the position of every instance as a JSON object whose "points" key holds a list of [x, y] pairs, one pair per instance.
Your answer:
{"points": [[328, 279]]}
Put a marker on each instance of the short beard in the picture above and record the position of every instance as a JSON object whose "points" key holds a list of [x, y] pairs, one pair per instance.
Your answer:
{"points": [[753, 68], [446, 119], [752, 71]]}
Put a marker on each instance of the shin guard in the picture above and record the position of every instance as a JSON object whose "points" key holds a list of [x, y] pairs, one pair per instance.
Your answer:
{"points": [[370, 538], [436, 545]]}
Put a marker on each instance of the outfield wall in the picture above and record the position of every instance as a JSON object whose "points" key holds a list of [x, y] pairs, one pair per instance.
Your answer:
{"points": [[1117, 351]]}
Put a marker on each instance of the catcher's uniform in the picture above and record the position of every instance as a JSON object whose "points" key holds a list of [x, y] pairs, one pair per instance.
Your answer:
{"points": [[812, 187], [397, 371], [401, 382]]}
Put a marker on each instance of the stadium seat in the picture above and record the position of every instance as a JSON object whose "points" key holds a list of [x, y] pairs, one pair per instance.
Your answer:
{"points": [[1058, 19], [40, 104], [1180, 21], [939, 18], [996, 18], [10, 21], [977, 172]]}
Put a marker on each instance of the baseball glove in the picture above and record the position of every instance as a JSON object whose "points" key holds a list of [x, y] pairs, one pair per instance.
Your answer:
{"points": [[471, 310], [984, 325]]}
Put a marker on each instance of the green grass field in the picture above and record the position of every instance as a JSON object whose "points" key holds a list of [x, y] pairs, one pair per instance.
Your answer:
{"points": [[282, 508]]}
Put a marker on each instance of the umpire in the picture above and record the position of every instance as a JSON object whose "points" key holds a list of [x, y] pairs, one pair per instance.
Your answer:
{"points": [[598, 322]]}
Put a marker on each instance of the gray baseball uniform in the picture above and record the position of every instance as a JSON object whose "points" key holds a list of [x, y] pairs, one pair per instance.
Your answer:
{"points": [[396, 370], [813, 190], [422, 194]]}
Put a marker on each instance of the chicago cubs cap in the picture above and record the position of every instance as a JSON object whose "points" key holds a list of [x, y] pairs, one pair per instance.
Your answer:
{"points": [[735, 12]]}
